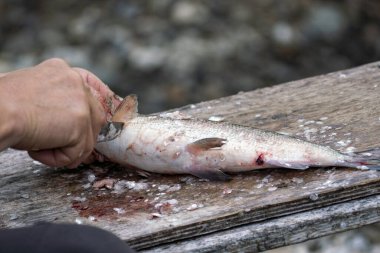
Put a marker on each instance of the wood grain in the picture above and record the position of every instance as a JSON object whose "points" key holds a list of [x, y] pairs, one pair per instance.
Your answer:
{"points": [[283, 231], [338, 110]]}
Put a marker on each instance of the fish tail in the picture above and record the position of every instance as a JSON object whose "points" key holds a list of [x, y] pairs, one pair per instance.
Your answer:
{"points": [[367, 160]]}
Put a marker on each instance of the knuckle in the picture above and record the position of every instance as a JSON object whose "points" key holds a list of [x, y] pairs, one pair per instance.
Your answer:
{"points": [[75, 78], [55, 62], [78, 132], [75, 137], [63, 158], [81, 115]]}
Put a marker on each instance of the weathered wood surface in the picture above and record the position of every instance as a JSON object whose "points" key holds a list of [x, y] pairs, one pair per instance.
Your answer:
{"points": [[283, 231], [339, 109]]}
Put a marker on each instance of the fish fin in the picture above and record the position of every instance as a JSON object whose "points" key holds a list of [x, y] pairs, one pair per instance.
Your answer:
{"points": [[126, 110], [367, 160], [205, 144], [289, 165], [212, 174]]}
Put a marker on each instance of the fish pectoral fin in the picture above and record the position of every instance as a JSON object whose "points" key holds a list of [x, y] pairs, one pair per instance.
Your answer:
{"points": [[126, 110], [212, 174], [205, 144], [289, 165]]}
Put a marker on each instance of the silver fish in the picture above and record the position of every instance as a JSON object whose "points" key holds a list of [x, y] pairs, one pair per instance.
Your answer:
{"points": [[208, 149]]}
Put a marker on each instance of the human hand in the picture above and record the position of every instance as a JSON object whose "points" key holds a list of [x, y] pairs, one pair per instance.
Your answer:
{"points": [[58, 111], [108, 99]]}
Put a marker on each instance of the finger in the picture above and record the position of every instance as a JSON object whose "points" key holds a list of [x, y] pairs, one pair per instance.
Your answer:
{"points": [[81, 159], [74, 165], [95, 157], [65, 156], [51, 157], [94, 82], [90, 159], [97, 115], [87, 146], [96, 119], [100, 90]]}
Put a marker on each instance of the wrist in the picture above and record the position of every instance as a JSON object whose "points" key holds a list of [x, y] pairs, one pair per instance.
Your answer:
{"points": [[10, 126]]}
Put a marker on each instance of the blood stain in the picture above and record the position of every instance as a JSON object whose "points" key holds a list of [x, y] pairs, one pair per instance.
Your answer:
{"points": [[260, 160]]}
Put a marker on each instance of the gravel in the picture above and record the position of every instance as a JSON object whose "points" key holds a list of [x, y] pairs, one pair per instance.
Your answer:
{"points": [[172, 53]]}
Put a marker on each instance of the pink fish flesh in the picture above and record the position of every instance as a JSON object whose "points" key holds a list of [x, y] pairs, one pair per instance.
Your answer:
{"points": [[208, 149]]}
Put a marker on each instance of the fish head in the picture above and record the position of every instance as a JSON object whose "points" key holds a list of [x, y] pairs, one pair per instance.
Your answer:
{"points": [[110, 131]]}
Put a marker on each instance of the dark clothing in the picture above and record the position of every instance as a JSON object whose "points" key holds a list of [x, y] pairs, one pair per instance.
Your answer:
{"points": [[60, 238]]}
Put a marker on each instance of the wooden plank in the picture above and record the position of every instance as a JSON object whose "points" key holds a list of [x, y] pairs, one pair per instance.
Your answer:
{"points": [[338, 109], [283, 231]]}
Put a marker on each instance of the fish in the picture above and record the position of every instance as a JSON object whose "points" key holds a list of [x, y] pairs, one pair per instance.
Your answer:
{"points": [[212, 150]]}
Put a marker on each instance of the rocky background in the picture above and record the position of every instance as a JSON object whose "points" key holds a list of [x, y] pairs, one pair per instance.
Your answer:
{"points": [[172, 52]]}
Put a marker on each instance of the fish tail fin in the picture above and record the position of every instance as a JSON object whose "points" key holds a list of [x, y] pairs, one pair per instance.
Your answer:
{"points": [[367, 160]]}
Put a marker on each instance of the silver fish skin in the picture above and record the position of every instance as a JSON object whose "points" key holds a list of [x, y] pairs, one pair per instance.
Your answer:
{"points": [[207, 149]]}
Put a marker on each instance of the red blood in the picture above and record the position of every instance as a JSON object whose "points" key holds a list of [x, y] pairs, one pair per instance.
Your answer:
{"points": [[260, 160]]}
